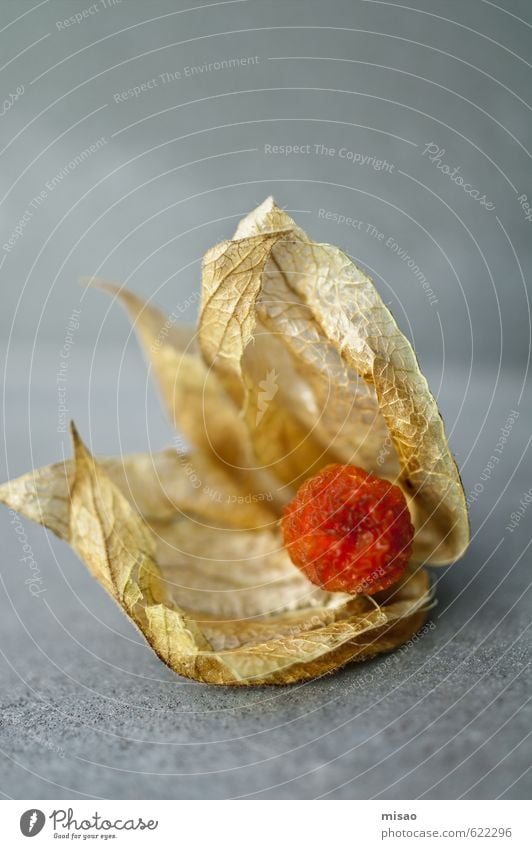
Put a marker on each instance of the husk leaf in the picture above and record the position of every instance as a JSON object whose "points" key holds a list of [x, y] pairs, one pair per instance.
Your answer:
{"points": [[349, 385]]}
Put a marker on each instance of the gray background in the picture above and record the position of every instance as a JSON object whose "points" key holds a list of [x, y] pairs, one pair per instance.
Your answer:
{"points": [[87, 710]]}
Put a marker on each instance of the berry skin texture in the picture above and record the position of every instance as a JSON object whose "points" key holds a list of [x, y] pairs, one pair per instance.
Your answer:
{"points": [[349, 531]]}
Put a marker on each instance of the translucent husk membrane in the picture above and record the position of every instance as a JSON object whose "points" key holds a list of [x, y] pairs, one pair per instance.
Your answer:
{"points": [[295, 363]]}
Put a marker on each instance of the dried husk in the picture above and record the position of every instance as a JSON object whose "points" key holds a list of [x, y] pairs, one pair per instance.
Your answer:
{"points": [[188, 544], [218, 605]]}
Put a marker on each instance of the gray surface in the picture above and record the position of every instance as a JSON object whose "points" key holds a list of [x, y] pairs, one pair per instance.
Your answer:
{"points": [[86, 708]]}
